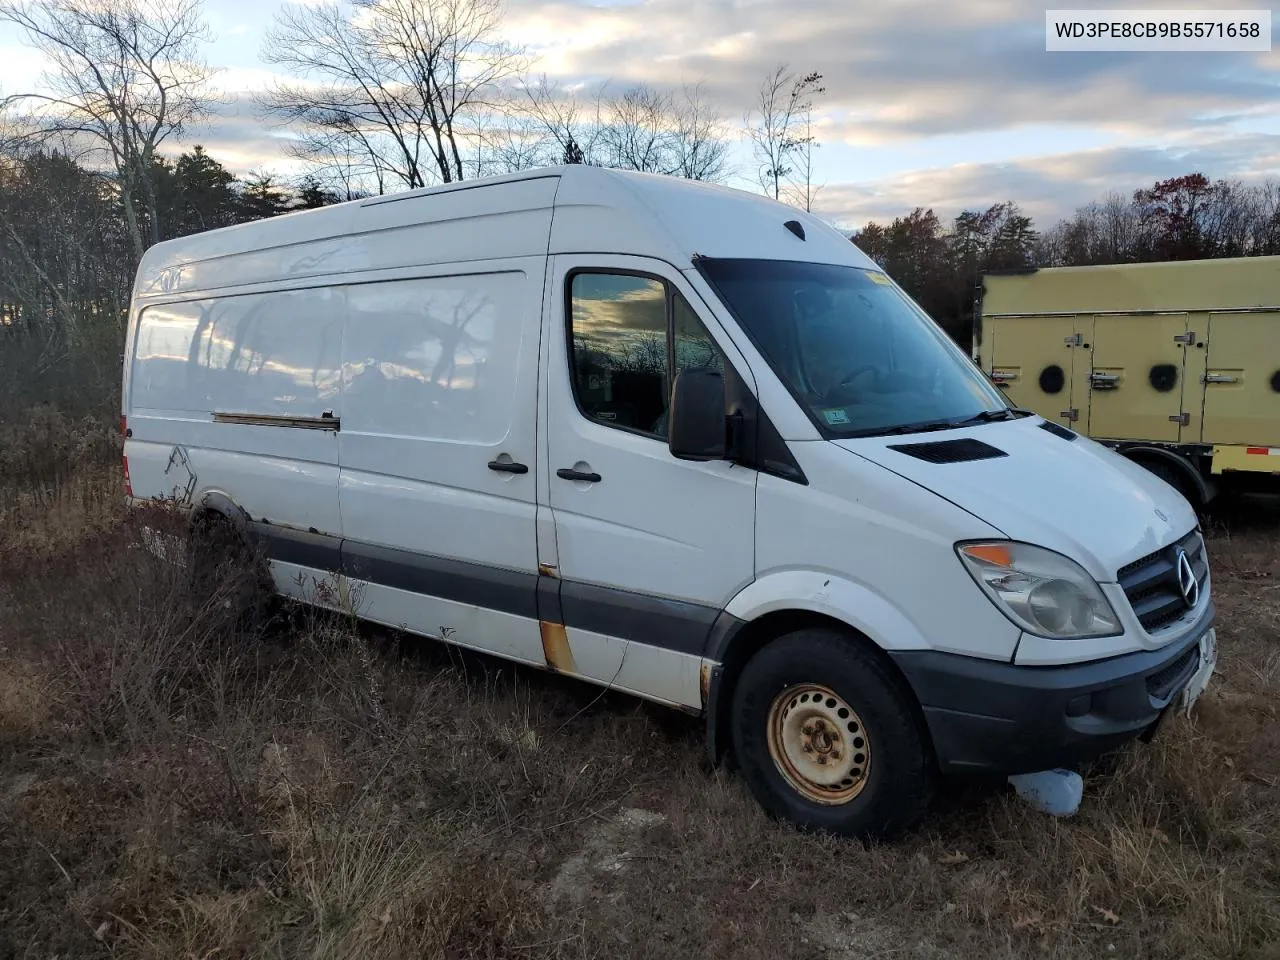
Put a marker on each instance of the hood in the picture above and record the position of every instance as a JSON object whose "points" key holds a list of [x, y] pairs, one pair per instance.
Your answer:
{"points": [[1073, 496]]}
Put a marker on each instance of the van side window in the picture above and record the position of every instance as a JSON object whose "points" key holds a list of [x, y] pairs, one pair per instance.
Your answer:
{"points": [[692, 345], [618, 349], [628, 332]]}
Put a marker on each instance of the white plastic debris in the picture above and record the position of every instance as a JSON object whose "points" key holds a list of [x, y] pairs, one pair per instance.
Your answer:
{"points": [[1055, 792]]}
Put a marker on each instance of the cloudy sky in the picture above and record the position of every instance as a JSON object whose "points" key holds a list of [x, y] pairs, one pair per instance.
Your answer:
{"points": [[941, 103]]}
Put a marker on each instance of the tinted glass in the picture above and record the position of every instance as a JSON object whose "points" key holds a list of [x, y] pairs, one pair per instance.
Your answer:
{"points": [[857, 353], [694, 348], [619, 349]]}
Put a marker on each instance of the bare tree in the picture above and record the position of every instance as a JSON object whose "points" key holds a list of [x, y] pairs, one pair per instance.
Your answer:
{"points": [[65, 271], [800, 182], [700, 144], [124, 78], [408, 85], [641, 128], [637, 133], [1266, 229], [341, 161], [572, 124], [514, 141], [779, 130]]}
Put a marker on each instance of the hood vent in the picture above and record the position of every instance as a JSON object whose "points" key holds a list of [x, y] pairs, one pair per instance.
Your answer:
{"points": [[1057, 430], [950, 451]]}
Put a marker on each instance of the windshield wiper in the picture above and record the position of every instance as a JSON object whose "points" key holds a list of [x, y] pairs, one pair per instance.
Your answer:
{"points": [[928, 426], [990, 416], [924, 426]]}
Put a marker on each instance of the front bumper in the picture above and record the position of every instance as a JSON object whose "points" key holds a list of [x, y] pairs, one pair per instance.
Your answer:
{"points": [[992, 717]]}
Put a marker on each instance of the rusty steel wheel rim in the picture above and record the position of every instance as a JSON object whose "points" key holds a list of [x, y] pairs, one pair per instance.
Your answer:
{"points": [[819, 744]]}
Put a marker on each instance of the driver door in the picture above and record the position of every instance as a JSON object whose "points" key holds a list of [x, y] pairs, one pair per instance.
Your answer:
{"points": [[649, 549]]}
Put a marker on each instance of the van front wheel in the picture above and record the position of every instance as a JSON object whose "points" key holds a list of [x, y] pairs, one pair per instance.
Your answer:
{"points": [[826, 738]]}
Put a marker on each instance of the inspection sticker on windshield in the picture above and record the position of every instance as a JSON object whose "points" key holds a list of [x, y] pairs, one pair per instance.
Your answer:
{"points": [[835, 417], [879, 278]]}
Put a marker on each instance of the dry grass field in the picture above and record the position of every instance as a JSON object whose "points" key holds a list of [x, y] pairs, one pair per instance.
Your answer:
{"points": [[182, 777]]}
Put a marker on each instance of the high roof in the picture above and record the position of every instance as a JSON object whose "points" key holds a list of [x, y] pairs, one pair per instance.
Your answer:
{"points": [[565, 209]]}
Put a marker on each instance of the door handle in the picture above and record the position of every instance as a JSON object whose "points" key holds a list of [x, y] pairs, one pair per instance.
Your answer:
{"points": [[508, 466], [567, 473]]}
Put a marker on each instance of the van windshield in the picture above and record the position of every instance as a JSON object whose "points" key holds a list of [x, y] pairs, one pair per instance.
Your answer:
{"points": [[860, 356]]}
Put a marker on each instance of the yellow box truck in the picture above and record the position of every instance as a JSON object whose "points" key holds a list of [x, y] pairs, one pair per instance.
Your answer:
{"points": [[1176, 365]]}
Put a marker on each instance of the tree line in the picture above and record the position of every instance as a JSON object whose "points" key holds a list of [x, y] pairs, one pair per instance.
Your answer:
{"points": [[388, 95], [68, 255], [385, 95], [1189, 217]]}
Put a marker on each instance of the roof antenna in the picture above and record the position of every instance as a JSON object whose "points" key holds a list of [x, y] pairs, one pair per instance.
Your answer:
{"points": [[795, 227]]}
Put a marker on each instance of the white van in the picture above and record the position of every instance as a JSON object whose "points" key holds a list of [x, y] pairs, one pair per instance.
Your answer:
{"points": [[678, 440]]}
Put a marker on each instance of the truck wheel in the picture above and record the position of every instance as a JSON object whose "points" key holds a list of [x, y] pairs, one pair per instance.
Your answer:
{"points": [[826, 737], [1175, 477]]}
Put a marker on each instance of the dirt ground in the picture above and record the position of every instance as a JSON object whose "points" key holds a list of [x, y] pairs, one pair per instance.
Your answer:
{"points": [[179, 778]]}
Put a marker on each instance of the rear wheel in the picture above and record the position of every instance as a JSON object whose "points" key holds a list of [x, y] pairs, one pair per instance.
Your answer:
{"points": [[826, 737], [224, 563]]}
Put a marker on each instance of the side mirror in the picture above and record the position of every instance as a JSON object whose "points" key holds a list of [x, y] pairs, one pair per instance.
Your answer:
{"points": [[696, 428]]}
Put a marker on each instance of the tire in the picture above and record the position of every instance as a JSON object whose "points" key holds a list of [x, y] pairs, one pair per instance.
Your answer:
{"points": [[221, 556], [819, 691]]}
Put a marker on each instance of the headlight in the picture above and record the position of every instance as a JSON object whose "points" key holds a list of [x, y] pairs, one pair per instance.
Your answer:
{"points": [[1041, 591]]}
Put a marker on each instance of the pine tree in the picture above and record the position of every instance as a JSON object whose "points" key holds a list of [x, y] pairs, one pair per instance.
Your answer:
{"points": [[312, 194], [261, 197]]}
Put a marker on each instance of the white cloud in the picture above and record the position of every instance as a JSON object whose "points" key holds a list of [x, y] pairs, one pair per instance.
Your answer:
{"points": [[912, 85], [1048, 187], [247, 79], [920, 67]]}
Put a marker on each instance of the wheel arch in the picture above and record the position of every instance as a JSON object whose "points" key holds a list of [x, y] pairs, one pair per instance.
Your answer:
{"points": [[734, 642], [215, 506]]}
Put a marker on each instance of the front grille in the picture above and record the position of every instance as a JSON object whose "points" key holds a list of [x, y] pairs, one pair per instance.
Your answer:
{"points": [[1151, 582], [1164, 681]]}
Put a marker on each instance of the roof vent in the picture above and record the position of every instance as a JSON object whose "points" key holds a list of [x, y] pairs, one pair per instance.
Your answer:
{"points": [[796, 227], [950, 451], [1058, 431]]}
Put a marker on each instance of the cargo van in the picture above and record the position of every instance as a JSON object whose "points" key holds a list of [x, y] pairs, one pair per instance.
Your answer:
{"points": [[680, 441], [1175, 365]]}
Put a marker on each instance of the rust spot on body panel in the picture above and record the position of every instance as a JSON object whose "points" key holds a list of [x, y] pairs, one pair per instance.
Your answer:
{"points": [[704, 682], [555, 647], [547, 570]]}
